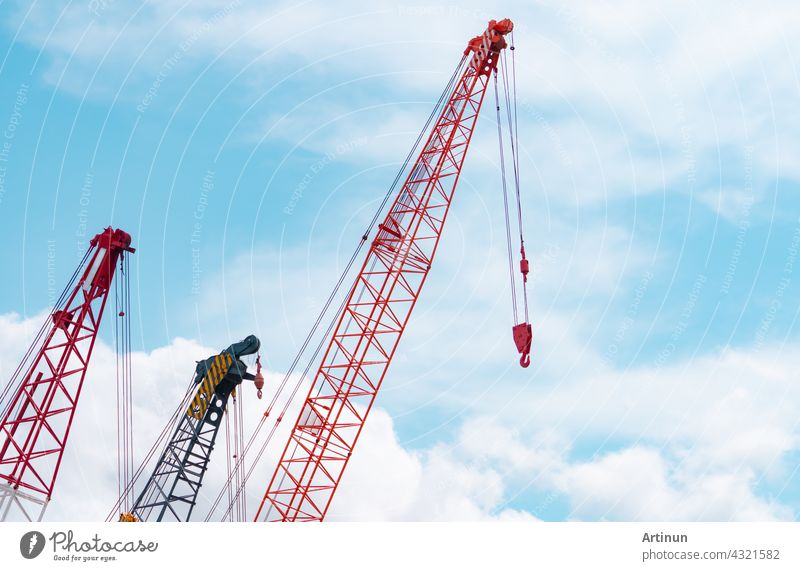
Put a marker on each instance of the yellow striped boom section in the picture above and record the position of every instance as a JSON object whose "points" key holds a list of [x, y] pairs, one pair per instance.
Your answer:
{"points": [[218, 369]]}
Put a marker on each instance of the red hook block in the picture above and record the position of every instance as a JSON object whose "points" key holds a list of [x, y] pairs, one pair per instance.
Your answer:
{"points": [[523, 335]]}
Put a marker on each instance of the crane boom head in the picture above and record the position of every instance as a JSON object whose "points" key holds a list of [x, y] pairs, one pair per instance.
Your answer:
{"points": [[221, 374], [247, 346], [112, 239], [486, 48]]}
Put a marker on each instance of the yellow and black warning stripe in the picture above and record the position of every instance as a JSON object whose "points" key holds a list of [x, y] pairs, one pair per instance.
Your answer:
{"points": [[215, 373]]}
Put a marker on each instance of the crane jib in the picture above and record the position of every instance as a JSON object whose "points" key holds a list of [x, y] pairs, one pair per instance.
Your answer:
{"points": [[40, 401], [376, 312], [171, 491]]}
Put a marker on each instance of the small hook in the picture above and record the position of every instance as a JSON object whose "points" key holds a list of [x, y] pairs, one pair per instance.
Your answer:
{"points": [[259, 380]]}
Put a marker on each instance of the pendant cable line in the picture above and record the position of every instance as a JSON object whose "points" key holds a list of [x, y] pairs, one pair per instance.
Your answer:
{"points": [[504, 185], [522, 330], [228, 454], [16, 379], [169, 425], [324, 311], [353, 338]]}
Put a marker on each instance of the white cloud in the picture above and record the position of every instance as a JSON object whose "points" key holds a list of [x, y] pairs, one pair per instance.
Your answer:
{"points": [[387, 482], [637, 484], [86, 488], [699, 442], [642, 98], [734, 205]]}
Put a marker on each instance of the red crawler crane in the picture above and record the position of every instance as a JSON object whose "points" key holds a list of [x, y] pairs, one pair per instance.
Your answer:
{"points": [[39, 402], [379, 306]]}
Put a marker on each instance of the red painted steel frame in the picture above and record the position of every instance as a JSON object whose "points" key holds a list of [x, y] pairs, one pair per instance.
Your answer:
{"points": [[378, 308], [34, 430]]}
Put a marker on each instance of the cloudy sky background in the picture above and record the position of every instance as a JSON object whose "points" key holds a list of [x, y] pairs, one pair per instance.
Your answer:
{"points": [[660, 170]]}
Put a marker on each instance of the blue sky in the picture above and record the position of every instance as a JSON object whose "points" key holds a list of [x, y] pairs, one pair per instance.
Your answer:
{"points": [[246, 145]]}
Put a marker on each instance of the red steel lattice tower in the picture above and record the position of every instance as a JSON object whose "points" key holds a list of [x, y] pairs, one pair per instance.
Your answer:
{"points": [[379, 305], [37, 417]]}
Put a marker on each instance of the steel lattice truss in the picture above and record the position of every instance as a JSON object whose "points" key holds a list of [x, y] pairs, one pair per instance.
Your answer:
{"points": [[36, 420], [379, 306], [171, 492]]}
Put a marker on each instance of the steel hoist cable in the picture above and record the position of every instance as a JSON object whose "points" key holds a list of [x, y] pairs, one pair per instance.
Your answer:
{"points": [[124, 386], [390, 192], [521, 330], [157, 445]]}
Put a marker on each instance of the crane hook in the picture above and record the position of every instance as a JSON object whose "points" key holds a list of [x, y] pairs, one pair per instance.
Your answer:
{"points": [[523, 336], [259, 380]]}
